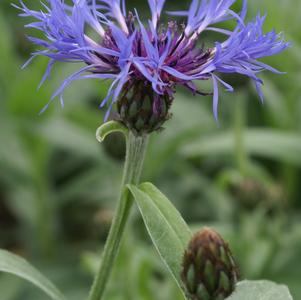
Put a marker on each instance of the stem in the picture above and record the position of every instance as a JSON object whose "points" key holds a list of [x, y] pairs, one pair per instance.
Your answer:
{"points": [[135, 152]]}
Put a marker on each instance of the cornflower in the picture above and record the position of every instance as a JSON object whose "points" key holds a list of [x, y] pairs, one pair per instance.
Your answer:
{"points": [[147, 61]]}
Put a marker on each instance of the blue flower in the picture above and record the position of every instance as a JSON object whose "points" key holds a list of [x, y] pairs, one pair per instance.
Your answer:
{"points": [[118, 46]]}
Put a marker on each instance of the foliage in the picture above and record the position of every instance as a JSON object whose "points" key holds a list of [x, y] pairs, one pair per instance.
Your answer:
{"points": [[57, 183]]}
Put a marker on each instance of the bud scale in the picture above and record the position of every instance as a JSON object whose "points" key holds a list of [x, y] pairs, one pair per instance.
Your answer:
{"points": [[141, 109]]}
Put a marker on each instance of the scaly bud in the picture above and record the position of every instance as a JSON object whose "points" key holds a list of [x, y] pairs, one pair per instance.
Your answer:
{"points": [[209, 271], [141, 109]]}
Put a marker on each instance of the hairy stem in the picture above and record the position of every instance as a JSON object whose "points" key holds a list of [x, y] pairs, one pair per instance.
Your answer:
{"points": [[135, 152]]}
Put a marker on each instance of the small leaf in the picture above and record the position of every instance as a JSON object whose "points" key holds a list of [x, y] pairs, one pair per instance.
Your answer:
{"points": [[167, 229], [13, 264], [260, 290], [110, 127]]}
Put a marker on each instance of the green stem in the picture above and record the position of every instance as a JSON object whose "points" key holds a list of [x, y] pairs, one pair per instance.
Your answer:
{"points": [[135, 152]]}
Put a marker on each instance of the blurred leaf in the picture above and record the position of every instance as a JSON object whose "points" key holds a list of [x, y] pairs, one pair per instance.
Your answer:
{"points": [[10, 287], [65, 135], [260, 290], [276, 105], [167, 229], [190, 119], [24, 100], [18, 163], [13, 264], [7, 57], [279, 145]]}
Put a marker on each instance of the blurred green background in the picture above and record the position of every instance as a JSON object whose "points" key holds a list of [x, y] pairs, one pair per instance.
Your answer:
{"points": [[58, 185]]}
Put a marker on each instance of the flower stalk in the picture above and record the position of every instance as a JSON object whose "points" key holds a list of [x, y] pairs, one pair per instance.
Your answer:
{"points": [[135, 152]]}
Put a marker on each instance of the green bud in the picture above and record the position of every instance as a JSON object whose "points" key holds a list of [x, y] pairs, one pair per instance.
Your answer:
{"points": [[136, 108], [209, 271]]}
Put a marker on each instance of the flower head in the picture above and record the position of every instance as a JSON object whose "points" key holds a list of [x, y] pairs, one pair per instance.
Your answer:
{"points": [[147, 61], [209, 271]]}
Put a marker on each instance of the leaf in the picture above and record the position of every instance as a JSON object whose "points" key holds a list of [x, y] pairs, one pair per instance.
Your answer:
{"points": [[171, 214], [110, 127], [63, 134], [273, 144], [13, 264], [167, 229], [10, 287], [260, 290]]}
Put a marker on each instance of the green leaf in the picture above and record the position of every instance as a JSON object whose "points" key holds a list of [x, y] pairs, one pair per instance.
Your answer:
{"points": [[260, 290], [13, 264], [108, 128], [167, 229], [171, 214], [71, 137], [273, 144]]}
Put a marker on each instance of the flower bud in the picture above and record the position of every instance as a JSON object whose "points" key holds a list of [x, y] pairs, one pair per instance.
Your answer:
{"points": [[141, 109], [209, 271]]}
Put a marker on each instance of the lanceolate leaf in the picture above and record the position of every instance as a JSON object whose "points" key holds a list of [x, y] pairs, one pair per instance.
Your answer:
{"points": [[165, 226], [13, 264], [260, 290], [171, 214]]}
